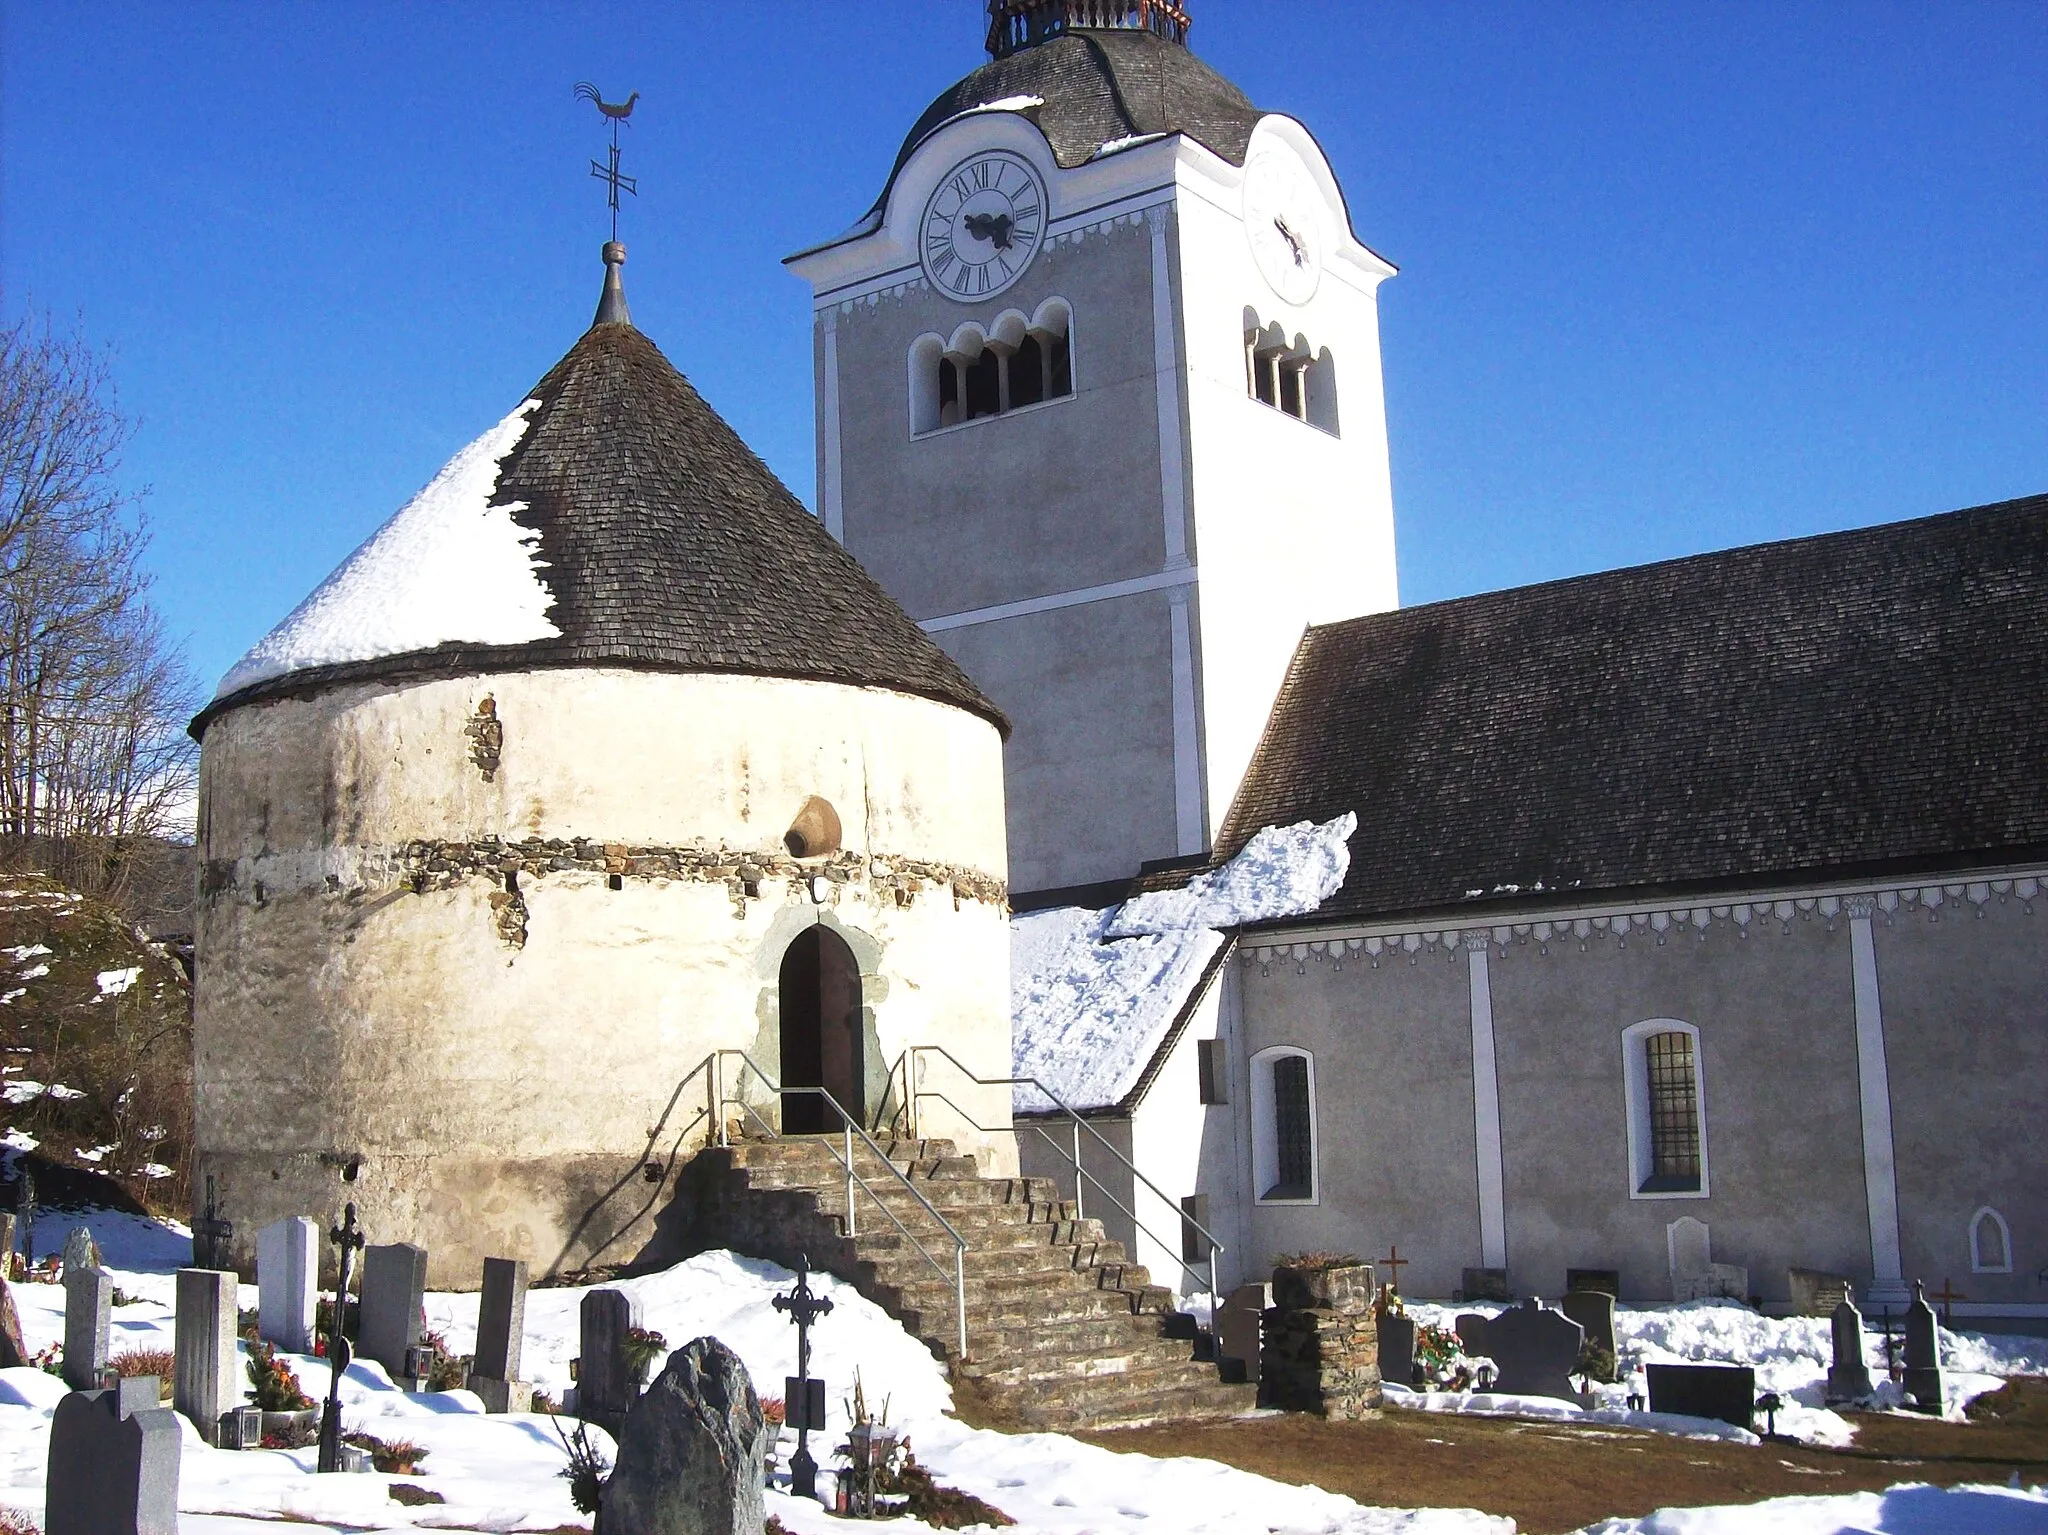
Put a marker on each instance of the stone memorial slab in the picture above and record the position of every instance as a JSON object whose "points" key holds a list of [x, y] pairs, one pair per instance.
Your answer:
{"points": [[207, 1382], [1239, 1324], [113, 1467], [1486, 1284], [287, 1276], [1470, 1327], [1815, 1292], [1608, 1280], [605, 1387], [1694, 1273], [692, 1450], [500, 1338], [1924, 1386], [1723, 1391], [1534, 1350], [88, 1311], [1397, 1349], [388, 1315], [1593, 1310], [1849, 1376]]}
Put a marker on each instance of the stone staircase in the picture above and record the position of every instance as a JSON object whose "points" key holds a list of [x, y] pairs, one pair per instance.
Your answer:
{"points": [[1063, 1331]]}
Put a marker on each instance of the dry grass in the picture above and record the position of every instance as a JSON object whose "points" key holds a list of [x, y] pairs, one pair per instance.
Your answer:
{"points": [[14, 1522], [160, 1362]]}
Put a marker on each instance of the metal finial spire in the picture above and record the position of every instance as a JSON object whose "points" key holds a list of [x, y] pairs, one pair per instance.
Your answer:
{"points": [[615, 113]]}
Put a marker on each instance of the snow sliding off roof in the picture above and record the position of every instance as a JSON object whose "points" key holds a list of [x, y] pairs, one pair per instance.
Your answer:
{"points": [[613, 519]]}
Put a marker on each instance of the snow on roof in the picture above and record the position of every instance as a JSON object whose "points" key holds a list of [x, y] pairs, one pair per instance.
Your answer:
{"points": [[1093, 993], [449, 567]]}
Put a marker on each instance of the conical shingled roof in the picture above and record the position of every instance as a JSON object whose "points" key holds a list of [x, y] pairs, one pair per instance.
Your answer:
{"points": [[666, 544]]}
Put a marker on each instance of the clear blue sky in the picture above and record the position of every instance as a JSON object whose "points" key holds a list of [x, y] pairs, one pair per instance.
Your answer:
{"points": [[1674, 277]]}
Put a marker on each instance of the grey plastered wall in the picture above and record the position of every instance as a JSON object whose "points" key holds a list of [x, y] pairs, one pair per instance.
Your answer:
{"points": [[1776, 1015], [1088, 768], [1965, 996], [1049, 1156], [1393, 1073]]}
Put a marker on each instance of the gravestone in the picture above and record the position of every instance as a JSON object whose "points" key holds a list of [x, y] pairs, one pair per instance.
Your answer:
{"points": [[88, 1306], [113, 1463], [1593, 1310], [1723, 1391], [388, 1311], [1486, 1284], [692, 1451], [1815, 1292], [500, 1338], [1534, 1350], [1577, 1281], [81, 1251], [1849, 1377], [1694, 1273], [206, 1383], [287, 1271], [1923, 1354], [1471, 1330], [6, 1242], [605, 1387], [13, 1352], [1397, 1348], [1239, 1323]]}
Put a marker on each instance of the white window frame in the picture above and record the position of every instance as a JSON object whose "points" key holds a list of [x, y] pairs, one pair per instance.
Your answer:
{"points": [[1266, 1134], [1977, 1263], [1635, 1075]]}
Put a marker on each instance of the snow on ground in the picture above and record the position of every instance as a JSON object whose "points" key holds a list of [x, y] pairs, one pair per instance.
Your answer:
{"points": [[498, 1472], [1092, 993], [1911, 1508], [448, 567], [1790, 1355]]}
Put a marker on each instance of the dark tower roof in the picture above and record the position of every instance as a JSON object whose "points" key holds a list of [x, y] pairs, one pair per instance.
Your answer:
{"points": [[665, 544]]}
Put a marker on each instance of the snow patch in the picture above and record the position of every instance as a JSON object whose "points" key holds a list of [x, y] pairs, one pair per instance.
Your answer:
{"points": [[1284, 871], [1909, 1508], [113, 982], [18, 1140], [449, 567]]}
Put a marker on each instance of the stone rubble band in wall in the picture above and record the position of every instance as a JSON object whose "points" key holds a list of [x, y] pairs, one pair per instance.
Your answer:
{"points": [[1658, 922], [421, 866]]}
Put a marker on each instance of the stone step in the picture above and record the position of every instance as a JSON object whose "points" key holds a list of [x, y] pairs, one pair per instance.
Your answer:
{"points": [[1132, 1356], [1024, 1308], [1113, 1402], [995, 1346]]}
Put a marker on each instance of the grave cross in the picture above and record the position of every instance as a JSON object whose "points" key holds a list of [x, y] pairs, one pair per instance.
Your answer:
{"points": [[1395, 1263], [348, 1236], [804, 1308], [210, 1234], [1948, 1294], [25, 1215]]}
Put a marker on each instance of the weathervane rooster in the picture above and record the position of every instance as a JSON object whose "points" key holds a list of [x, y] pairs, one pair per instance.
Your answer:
{"points": [[614, 113]]}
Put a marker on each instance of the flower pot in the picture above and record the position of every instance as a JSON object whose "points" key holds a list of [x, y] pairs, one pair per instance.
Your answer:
{"points": [[1348, 1288]]}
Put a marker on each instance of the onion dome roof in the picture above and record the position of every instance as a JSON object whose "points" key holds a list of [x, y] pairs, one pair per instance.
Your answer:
{"points": [[613, 519]]}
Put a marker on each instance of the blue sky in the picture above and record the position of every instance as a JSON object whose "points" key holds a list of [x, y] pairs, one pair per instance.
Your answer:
{"points": [[1674, 277]]}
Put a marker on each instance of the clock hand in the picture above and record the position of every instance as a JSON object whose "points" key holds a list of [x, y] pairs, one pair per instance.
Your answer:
{"points": [[1294, 244]]}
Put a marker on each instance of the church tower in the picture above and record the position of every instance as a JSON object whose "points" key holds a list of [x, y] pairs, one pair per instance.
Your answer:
{"points": [[1099, 402]]}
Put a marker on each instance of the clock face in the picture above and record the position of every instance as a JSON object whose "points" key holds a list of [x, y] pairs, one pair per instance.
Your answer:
{"points": [[983, 225], [1283, 220]]}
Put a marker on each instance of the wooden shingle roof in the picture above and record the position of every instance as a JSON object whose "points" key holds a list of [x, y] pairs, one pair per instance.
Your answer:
{"points": [[1848, 705], [666, 544]]}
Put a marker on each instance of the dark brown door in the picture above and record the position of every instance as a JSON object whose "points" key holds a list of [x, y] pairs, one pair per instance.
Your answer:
{"points": [[821, 1045]]}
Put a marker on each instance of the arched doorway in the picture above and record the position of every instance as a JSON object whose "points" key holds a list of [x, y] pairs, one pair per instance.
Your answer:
{"points": [[821, 1044]]}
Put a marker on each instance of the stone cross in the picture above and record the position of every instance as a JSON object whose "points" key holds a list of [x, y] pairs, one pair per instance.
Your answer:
{"points": [[1534, 1350], [500, 1338], [206, 1383], [1923, 1354], [88, 1308], [394, 1288], [287, 1275], [803, 1308], [113, 1463], [1849, 1379], [211, 1234], [348, 1238], [605, 1382]]}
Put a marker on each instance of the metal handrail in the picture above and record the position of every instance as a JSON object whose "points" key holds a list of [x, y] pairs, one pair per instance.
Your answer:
{"points": [[853, 1179], [916, 1053]]}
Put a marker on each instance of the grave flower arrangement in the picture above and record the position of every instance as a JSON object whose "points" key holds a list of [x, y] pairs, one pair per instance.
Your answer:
{"points": [[641, 1348], [1441, 1360], [275, 1383]]}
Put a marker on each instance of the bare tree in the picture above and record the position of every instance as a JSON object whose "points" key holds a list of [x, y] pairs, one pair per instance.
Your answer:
{"points": [[95, 768]]}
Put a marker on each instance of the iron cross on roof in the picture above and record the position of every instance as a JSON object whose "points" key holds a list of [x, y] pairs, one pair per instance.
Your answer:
{"points": [[614, 113]]}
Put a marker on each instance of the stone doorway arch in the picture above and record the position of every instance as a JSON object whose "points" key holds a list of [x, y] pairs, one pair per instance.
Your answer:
{"points": [[819, 1000]]}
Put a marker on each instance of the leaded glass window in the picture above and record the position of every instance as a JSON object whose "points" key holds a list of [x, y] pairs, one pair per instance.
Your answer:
{"points": [[1293, 1129], [1674, 1102]]}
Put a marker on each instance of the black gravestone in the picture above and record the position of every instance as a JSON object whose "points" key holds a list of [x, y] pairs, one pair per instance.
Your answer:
{"points": [[1609, 1280], [1723, 1391], [113, 1463], [1534, 1350], [1486, 1284], [1397, 1349], [1594, 1311], [1240, 1327]]}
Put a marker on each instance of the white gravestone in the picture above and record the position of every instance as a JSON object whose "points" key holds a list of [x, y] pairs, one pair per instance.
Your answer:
{"points": [[287, 1271], [1694, 1273]]}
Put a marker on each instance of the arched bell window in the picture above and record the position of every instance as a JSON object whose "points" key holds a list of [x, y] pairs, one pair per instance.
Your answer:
{"points": [[979, 373]]}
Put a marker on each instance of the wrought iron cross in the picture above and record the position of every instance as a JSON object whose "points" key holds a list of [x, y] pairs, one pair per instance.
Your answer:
{"points": [[804, 1308], [348, 1236], [25, 1214], [211, 1233], [615, 112]]}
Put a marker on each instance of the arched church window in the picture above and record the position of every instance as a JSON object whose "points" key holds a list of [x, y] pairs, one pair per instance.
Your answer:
{"points": [[1288, 374], [1284, 1126], [1990, 1243], [1018, 361], [1666, 1110]]}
